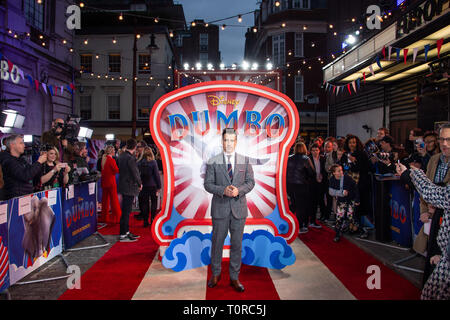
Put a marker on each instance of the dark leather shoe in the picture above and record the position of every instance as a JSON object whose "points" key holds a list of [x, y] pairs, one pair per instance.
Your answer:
{"points": [[237, 285], [213, 281]]}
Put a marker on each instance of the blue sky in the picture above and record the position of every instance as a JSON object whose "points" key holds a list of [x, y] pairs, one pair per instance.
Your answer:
{"points": [[232, 39]]}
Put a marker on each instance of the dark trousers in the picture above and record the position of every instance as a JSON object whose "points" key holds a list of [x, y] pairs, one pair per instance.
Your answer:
{"points": [[432, 246], [302, 203], [148, 194], [317, 199], [127, 203]]}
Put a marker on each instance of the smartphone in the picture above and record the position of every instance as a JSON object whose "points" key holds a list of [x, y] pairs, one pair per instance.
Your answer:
{"points": [[420, 143], [63, 165]]}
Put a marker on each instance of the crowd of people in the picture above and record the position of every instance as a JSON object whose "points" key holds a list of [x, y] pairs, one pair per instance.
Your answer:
{"points": [[335, 176], [332, 176]]}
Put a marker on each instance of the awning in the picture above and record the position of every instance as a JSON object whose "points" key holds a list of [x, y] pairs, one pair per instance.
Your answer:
{"points": [[363, 61]]}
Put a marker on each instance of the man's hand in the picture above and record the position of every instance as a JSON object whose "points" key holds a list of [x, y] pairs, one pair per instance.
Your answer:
{"points": [[43, 158], [352, 158], [400, 168], [435, 259], [234, 192], [425, 217]]}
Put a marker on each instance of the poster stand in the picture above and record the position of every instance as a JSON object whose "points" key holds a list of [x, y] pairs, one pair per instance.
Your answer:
{"points": [[93, 247], [48, 279]]}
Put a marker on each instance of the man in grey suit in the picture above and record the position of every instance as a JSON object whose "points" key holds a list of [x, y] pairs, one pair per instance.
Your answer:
{"points": [[229, 177], [129, 186]]}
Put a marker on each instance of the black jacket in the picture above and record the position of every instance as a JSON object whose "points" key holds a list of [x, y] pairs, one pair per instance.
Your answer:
{"points": [[349, 185], [299, 170], [322, 160], [129, 176], [149, 173], [18, 175]]}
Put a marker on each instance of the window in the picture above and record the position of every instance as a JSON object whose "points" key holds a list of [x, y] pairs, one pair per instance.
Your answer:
{"points": [[179, 40], [299, 44], [86, 107], [114, 107], [144, 63], [298, 89], [203, 56], [34, 13], [278, 50], [86, 62], [114, 62], [203, 42], [143, 106], [301, 4]]}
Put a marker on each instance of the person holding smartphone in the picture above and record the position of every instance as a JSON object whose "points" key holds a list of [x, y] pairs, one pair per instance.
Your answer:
{"points": [[54, 173]]}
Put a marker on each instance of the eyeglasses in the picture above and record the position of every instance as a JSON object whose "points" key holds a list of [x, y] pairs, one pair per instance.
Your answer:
{"points": [[442, 140]]}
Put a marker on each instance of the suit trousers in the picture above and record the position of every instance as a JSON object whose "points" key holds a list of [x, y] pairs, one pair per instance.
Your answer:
{"points": [[127, 204], [219, 233]]}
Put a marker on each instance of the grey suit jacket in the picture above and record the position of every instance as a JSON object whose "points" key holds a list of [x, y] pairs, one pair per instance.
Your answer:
{"points": [[217, 179], [129, 177]]}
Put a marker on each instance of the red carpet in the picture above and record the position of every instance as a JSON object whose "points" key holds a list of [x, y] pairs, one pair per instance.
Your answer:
{"points": [[257, 282], [117, 275], [349, 264]]}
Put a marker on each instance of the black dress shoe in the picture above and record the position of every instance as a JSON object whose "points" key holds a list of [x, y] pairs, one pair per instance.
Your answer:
{"points": [[237, 285], [213, 281]]}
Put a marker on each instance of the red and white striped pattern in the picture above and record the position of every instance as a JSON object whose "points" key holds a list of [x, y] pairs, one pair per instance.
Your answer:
{"points": [[4, 263], [190, 154]]}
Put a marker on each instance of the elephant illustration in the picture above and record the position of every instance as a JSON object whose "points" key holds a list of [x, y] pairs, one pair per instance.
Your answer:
{"points": [[38, 227]]}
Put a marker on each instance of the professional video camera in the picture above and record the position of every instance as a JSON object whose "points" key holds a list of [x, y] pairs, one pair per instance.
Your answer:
{"points": [[70, 129], [372, 150]]}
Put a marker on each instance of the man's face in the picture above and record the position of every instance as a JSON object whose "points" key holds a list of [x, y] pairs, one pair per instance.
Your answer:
{"points": [[18, 146], [380, 134], [385, 146], [315, 152], [229, 142], [444, 142], [83, 152], [59, 123], [329, 147], [338, 173], [430, 143]]}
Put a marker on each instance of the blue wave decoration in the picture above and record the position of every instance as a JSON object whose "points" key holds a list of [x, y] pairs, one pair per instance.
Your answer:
{"points": [[262, 249], [281, 225], [169, 227], [192, 250]]}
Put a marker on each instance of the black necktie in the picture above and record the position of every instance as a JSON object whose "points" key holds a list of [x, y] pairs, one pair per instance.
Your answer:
{"points": [[230, 168]]}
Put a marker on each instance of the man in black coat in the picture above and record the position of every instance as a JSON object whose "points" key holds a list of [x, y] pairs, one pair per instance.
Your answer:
{"points": [[18, 175], [129, 186], [318, 186]]}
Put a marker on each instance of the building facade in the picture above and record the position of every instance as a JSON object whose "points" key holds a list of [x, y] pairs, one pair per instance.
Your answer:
{"points": [[35, 39], [292, 36], [125, 65], [403, 72]]}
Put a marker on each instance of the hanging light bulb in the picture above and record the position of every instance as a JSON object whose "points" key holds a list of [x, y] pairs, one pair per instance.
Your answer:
{"points": [[114, 40], [255, 29], [223, 27], [85, 41], [81, 4], [193, 24], [277, 3], [156, 20], [64, 41], [121, 16], [206, 25], [239, 18]]}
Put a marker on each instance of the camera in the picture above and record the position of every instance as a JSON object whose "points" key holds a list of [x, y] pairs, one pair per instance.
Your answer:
{"points": [[383, 156], [420, 143], [45, 147]]}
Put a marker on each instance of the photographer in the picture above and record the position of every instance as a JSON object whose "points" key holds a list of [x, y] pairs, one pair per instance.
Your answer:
{"points": [[387, 157], [54, 173], [18, 175], [55, 138]]}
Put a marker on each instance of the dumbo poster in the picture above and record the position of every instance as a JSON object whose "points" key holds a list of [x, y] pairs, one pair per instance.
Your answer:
{"points": [[35, 231]]}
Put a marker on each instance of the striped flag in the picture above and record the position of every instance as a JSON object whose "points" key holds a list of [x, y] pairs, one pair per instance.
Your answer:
{"points": [[4, 264]]}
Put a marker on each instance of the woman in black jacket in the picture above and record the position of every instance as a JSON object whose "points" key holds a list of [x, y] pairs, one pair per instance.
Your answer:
{"points": [[299, 175], [151, 185]]}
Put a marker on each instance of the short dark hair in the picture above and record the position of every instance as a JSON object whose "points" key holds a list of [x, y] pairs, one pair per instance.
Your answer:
{"points": [[314, 145], [430, 133], [131, 144], [385, 130], [334, 167], [388, 139], [228, 131]]}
